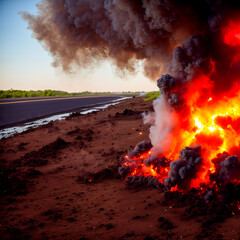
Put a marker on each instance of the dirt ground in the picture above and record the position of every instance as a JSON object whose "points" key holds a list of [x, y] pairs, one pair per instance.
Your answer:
{"points": [[60, 181]]}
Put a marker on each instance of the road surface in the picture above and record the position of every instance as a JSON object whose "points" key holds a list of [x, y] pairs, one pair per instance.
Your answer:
{"points": [[16, 111]]}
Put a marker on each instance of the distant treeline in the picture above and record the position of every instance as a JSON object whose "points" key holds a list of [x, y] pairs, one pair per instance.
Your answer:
{"points": [[39, 93]]}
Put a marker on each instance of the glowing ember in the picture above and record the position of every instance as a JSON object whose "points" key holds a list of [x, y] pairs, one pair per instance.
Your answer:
{"points": [[90, 180]]}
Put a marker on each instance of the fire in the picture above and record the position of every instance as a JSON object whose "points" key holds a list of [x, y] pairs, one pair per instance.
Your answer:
{"points": [[140, 169], [90, 180], [231, 34], [215, 126], [212, 124], [203, 119]]}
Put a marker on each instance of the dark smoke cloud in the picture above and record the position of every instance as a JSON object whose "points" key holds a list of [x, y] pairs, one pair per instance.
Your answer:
{"points": [[81, 32], [189, 59], [140, 148], [182, 171], [156, 162], [230, 169], [124, 171], [227, 168], [166, 84]]}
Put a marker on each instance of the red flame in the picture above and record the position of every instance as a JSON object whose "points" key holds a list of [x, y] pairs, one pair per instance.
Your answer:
{"points": [[231, 34]]}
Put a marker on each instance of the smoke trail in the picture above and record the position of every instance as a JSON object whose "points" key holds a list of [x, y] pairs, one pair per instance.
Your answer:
{"points": [[78, 33], [163, 122]]}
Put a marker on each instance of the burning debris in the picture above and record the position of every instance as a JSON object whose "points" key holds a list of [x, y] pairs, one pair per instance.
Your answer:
{"points": [[227, 169], [184, 169], [141, 148]]}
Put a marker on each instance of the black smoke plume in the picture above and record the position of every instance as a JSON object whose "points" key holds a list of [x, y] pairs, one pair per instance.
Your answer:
{"points": [[79, 33], [84, 31]]}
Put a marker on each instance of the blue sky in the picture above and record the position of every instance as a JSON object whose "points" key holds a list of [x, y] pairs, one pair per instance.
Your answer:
{"points": [[24, 64]]}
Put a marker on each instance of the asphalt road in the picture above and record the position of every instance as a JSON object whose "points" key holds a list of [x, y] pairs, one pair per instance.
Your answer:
{"points": [[16, 111]]}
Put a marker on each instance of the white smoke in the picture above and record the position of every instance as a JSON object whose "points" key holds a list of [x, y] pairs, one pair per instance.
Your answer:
{"points": [[163, 121]]}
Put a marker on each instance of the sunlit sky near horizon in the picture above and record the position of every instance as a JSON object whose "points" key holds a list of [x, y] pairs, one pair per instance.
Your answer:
{"points": [[25, 65]]}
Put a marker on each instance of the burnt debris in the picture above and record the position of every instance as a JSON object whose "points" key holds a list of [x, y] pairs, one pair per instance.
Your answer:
{"points": [[140, 148], [183, 170]]}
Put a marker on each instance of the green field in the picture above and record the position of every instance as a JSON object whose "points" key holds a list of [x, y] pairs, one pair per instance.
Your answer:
{"points": [[151, 96], [46, 93]]}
